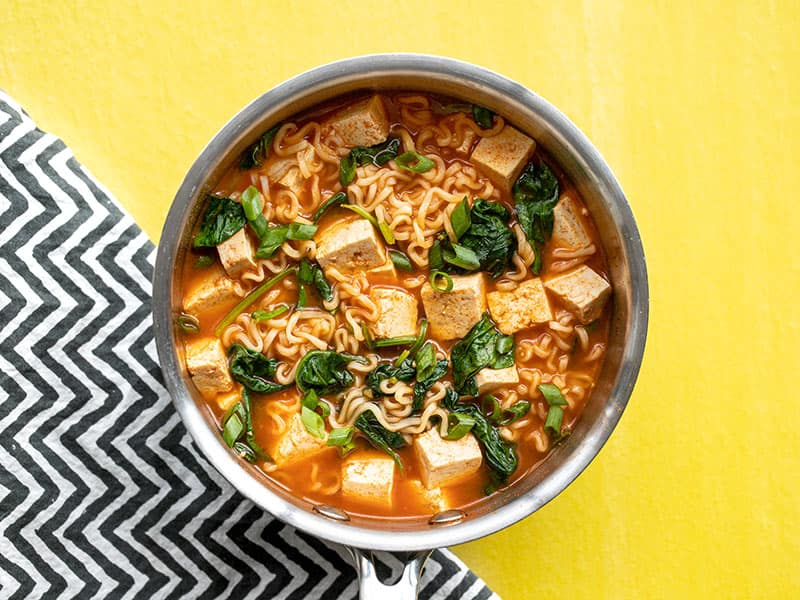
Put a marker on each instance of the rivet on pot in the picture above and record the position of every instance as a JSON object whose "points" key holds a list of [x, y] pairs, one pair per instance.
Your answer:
{"points": [[447, 517], [337, 514]]}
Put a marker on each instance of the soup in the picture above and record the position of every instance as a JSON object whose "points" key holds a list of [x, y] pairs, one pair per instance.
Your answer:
{"points": [[394, 304]]}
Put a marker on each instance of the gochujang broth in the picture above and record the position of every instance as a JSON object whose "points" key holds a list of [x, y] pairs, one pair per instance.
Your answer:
{"points": [[396, 304]]}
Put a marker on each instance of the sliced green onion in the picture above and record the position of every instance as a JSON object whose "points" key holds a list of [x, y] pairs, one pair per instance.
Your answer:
{"points": [[504, 344], [341, 436], [260, 316], [367, 336], [462, 257], [260, 226], [423, 329], [386, 232], [490, 406], [313, 422], [552, 394], [435, 259], [273, 238], [232, 430], [250, 299], [400, 260], [426, 361], [436, 277], [249, 433], [252, 203], [361, 213], [339, 198], [301, 231], [412, 161], [458, 425], [310, 399], [402, 340], [555, 416], [244, 451], [515, 413], [203, 261], [460, 218], [188, 323], [482, 116]]}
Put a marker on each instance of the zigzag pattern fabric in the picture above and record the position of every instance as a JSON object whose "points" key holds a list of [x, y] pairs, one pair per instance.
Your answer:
{"points": [[102, 492]]}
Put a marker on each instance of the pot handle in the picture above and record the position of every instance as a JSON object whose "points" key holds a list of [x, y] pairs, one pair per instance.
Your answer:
{"points": [[405, 588]]}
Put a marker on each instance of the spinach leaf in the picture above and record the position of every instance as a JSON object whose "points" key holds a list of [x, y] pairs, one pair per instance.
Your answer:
{"points": [[380, 437], [501, 455], [405, 372], [325, 371], [308, 273], [222, 219], [423, 385], [482, 116], [256, 154], [253, 370], [484, 346], [379, 155], [536, 193], [489, 237]]}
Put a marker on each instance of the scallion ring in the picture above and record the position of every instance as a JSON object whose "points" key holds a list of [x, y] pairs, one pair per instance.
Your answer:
{"points": [[436, 277], [188, 323]]}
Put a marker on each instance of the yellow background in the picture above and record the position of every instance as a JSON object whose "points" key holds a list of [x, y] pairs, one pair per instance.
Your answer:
{"points": [[697, 109]]}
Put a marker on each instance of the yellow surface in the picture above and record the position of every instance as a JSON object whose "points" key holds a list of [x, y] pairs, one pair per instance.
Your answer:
{"points": [[697, 494]]}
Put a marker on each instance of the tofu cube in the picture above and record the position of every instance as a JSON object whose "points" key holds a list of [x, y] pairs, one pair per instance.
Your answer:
{"points": [[362, 124], [293, 180], [434, 499], [452, 314], [582, 291], [568, 229], [236, 254], [397, 313], [490, 379], [523, 307], [296, 443], [208, 366], [503, 156], [369, 479], [209, 293], [350, 246], [385, 271], [442, 461]]}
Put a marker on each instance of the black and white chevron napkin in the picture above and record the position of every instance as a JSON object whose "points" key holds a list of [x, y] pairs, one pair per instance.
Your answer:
{"points": [[102, 492]]}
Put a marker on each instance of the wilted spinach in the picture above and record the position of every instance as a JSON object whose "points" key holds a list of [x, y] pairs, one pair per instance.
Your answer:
{"points": [[237, 431], [489, 237], [222, 219], [253, 370], [482, 116], [501, 455], [379, 155], [380, 437], [325, 371], [255, 155], [407, 371], [536, 193], [483, 346]]}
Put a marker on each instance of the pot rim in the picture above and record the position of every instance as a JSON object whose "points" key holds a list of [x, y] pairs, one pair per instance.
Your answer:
{"points": [[516, 507]]}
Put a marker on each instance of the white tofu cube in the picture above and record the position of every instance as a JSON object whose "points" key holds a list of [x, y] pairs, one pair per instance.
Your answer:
{"points": [[208, 366], [385, 271], [364, 123], [491, 379], [452, 314], [397, 313], [211, 292], [582, 291], [434, 499], [236, 254], [350, 246], [443, 461], [369, 479], [568, 229], [503, 156], [296, 443], [523, 307], [293, 180]]}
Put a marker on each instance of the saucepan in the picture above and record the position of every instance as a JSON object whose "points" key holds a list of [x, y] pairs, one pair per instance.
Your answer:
{"points": [[412, 540]]}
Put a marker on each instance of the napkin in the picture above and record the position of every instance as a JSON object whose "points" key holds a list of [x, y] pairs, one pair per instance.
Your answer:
{"points": [[103, 494]]}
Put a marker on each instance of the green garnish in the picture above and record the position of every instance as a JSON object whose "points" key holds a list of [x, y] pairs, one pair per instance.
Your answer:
{"points": [[458, 425], [410, 352], [301, 231], [222, 219], [555, 414], [483, 116], [260, 316], [536, 193], [188, 323], [325, 371], [385, 230], [412, 161], [256, 154], [252, 203], [313, 422], [426, 361], [459, 218], [237, 431], [379, 155], [515, 412], [253, 370], [483, 347], [203, 261], [251, 298], [339, 198], [403, 340], [435, 279], [342, 437], [461, 257], [275, 235], [380, 437], [400, 260]]}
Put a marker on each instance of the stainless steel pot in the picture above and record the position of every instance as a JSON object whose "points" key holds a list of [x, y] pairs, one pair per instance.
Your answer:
{"points": [[606, 201]]}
